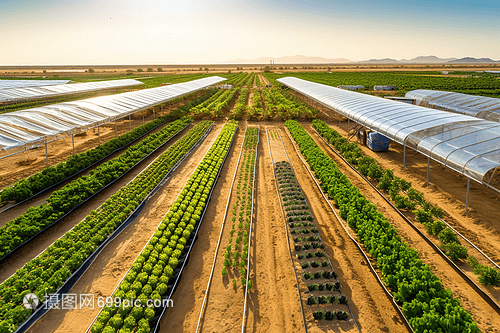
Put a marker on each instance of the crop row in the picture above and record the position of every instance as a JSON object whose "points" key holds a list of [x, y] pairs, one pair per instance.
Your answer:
{"points": [[256, 111], [237, 79], [427, 305], [257, 80], [153, 269], [59, 203], [215, 105], [236, 253], [241, 105], [297, 209], [28, 187], [405, 196], [49, 271], [472, 83], [286, 106], [248, 81]]}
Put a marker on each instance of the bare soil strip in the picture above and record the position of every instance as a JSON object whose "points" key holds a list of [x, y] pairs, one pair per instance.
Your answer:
{"points": [[483, 314], [371, 307], [114, 261], [222, 295]]}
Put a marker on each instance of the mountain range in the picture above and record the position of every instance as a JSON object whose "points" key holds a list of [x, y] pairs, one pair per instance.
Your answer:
{"points": [[301, 59]]}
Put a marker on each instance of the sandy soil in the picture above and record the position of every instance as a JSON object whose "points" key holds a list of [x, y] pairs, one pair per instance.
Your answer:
{"points": [[190, 292], [32, 161], [272, 305], [485, 316], [447, 189], [372, 309], [41, 242], [112, 264], [263, 79], [224, 304]]}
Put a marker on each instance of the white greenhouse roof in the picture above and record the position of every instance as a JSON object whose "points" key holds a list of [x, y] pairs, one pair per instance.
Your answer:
{"points": [[476, 106], [468, 145], [18, 94], [11, 84], [26, 129]]}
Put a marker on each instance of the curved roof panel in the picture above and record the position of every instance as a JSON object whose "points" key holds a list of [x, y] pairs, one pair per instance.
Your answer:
{"points": [[17, 94], [476, 106], [10, 84], [25, 129], [469, 145]]}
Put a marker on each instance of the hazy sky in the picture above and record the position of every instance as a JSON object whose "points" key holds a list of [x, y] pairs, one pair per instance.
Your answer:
{"points": [[195, 31]]}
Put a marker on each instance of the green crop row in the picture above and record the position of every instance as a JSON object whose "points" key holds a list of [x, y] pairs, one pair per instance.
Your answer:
{"points": [[215, 105], [256, 111], [287, 106], [20, 229], [409, 199], [298, 215], [47, 272], [473, 83], [241, 105], [236, 253], [150, 274], [427, 305]]}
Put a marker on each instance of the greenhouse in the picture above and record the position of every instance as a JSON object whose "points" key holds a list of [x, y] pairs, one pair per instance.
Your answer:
{"points": [[27, 129], [11, 84], [476, 106], [26, 93], [466, 144]]}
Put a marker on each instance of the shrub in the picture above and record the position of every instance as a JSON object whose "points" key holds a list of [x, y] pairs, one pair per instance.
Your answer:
{"points": [[448, 236], [455, 251]]}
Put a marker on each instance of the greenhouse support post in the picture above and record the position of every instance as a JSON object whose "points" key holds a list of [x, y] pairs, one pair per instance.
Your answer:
{"points": [[99, 134], [73, 141], [467, 197], [428, 163], [404, 157], [46, 157]]}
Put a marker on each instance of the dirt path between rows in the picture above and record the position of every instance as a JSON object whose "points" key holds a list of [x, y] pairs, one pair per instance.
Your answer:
{"points": [[114, 261], [44, 240], [447, 189], [482, 312], [188, 297], [273, 301], [224, 303], [372, 308]]}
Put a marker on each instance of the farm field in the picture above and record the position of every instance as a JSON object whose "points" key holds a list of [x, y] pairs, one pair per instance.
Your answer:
{"points": [[250, 209]]}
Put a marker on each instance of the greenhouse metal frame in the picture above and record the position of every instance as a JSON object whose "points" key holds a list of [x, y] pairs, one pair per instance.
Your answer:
{"points": [[477, 106], [12, 84], [465, 144], [32, 128], [29, 93]]}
